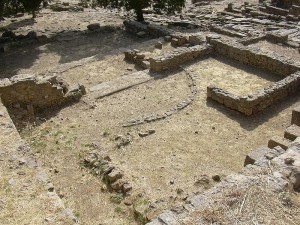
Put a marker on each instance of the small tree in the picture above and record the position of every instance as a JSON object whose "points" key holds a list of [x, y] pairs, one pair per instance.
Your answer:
{"points": [[139, 5], [31, 6]]}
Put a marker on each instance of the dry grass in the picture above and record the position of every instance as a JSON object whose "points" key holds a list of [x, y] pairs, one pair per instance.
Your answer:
{"points": [[255, 204]]}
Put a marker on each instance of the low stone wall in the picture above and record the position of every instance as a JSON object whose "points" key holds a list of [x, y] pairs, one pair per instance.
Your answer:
{"points": [[137, 57], [295, 10], [178, 57], [277, 11], [255, 57], [152, 29], [38, 92], [260, 100], [221, 30]]}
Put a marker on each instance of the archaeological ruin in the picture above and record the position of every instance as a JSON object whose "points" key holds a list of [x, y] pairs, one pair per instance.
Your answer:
{"points": [[189, 117]]}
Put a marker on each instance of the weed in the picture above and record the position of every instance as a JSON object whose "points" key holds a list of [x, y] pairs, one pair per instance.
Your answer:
{"points": [[118, 209], [105, 133], [117, 199]]}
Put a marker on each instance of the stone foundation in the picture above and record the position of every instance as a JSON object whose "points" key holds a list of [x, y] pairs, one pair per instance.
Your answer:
{"points": [[138, 58], [260, 100], [38, 92], [178, 57], [247, 55]]}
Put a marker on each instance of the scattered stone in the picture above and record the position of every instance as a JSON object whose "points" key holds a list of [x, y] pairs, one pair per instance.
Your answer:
{"points": [[203, 181], [50, 187], [94, 27], [114, 175], [22, 161], [216, 178], [289, 161], [127, 187], [179, 191], [167, 38], [124, 141], [141, 34], [128, 202], [158, 45]]}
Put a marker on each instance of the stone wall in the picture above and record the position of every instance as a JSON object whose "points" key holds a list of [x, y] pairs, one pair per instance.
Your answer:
{"points": [[135, 27], [178, 57], [137, 57], [260, 100], [39, 92], [247, 55]]}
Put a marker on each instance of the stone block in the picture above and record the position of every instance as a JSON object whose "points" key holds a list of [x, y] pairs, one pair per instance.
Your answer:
{"points": [[196, 40], [93, 27], [279, 141], [256, 155], [5, 82], [246, 111], [22, 78], [296, 116], [174, 42], [292, 132]]}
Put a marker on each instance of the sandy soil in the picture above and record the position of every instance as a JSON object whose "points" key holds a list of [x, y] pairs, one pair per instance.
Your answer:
{"points": [[204, 139], [278, 49]]}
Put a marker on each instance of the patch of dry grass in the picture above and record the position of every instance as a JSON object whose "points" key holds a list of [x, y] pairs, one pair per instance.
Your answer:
{"points": [[255, 204]]}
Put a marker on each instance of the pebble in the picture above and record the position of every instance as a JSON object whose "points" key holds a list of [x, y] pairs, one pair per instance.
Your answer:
{"points": [[216, 178]]}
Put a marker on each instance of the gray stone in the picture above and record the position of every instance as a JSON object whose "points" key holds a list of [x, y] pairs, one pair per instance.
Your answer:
{"points": [[94, 27], [114, 175]]}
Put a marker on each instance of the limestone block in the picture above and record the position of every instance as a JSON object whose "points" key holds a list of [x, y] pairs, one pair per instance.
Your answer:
{"points": [[246, 111], [279, 141], [292, 132], [296, 116]]}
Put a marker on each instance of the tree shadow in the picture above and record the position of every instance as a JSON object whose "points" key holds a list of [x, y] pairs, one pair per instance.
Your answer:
{"points": [[18, 57], [252, 122], [66, 47], [247, 68], [18, 24]]}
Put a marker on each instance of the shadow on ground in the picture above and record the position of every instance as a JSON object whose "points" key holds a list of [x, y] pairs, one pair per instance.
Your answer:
{"points": [[68, 46]]}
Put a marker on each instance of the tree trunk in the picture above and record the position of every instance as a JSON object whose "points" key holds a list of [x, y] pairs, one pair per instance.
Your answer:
{"points": [[33, 14], [1, 8], [139, 15]]}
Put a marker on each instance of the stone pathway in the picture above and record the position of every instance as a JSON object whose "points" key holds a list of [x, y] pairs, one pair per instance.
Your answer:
{"points": [[120, 84]]}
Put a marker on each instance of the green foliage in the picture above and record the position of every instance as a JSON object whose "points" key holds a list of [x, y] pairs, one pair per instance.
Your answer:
{"points": [[137, 5], [117, 199], [9, 7], [31, 5]]}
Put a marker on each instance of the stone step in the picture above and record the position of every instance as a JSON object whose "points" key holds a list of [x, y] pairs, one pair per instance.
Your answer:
{"points": [[279, 141], [292, 132], [296, 116], [263, 153], [120, 84], [256, 155]]}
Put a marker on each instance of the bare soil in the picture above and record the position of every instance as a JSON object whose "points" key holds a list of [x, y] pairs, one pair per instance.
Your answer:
{"points": [[203, 140], [278, 49]]}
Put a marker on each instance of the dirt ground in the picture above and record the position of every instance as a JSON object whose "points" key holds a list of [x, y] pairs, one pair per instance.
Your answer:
{"points": [[280, 49], [165, 168]]}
